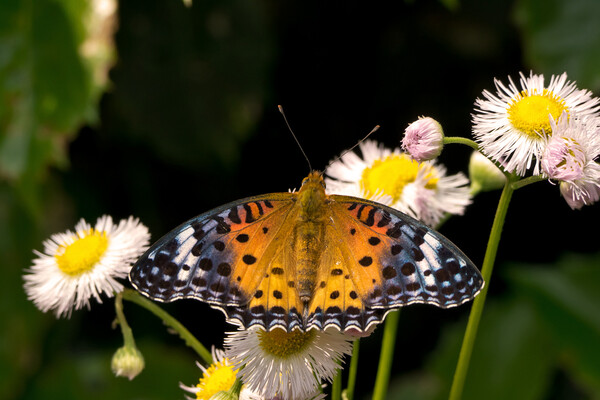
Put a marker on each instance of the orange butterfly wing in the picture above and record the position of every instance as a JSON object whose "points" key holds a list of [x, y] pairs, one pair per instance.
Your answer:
{"points": [[234, 258], [214, 257], [276, 302], [379, 259]]}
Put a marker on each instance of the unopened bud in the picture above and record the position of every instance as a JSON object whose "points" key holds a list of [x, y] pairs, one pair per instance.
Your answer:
{"points": [[485, 175], [128, 362], [423, 139]]}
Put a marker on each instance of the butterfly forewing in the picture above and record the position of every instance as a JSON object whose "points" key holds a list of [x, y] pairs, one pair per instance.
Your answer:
{"points": [[399, 260], [214, 257]]}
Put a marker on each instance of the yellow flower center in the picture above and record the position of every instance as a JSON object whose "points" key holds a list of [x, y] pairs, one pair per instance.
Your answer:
{"points": [[390, 175], [530, 113], [217, 378], [284, 344], [83, 254]]}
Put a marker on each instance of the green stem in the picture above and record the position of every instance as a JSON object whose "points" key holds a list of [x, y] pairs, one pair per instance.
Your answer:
{"points": [[188, 338], [527, 181], [466, 350], [336, 387], [128, 339], [353, 370], [461, 140], [387, 355]]}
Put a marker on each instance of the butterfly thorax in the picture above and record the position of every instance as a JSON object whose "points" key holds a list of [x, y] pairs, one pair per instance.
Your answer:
{"points": [[309, 232]]}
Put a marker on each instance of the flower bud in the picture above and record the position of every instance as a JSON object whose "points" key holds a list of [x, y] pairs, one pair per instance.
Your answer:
{"points": [[224, 395], [423, 139], [127, 361], [485, 176], [235, 392]]}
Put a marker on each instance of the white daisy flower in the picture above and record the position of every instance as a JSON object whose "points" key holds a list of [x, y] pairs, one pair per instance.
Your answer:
{"points": [[287, 365], [569, 157], [421, 190], [423, 139], [217, 380], [76, 266], [511, 124]]}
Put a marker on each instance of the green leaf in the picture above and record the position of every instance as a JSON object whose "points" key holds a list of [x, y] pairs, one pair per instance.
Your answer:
{"points": [[47, 84], [513, 354], [562, 36], [568, 300], [23, 326]]}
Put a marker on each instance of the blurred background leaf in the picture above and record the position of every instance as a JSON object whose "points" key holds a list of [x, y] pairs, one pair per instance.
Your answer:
{"points": [[49, 88], [83, 374], [49, 83], [567, 298], [562, 36], [210, 61], [163, 111]]}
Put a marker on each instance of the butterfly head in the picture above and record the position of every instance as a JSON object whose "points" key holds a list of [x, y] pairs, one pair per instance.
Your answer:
{"points": [[314, 178]]}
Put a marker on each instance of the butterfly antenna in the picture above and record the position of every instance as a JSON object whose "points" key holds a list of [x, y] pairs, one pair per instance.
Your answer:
{"points": [[294, 135], [353, 147]]}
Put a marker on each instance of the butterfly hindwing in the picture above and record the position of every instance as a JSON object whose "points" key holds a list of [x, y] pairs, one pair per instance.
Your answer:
{"points": [[336, 301], [276, 302], [214, 257]]}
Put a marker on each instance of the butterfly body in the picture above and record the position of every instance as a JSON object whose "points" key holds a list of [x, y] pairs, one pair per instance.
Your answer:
{"points": [[308, 239], [306, 260]]}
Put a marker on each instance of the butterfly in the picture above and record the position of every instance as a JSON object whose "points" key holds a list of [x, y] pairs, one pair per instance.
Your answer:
{"points": [[306, 260]]}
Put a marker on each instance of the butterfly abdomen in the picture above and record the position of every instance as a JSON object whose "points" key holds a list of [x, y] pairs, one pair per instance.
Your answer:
{"points": [[308, 240]]}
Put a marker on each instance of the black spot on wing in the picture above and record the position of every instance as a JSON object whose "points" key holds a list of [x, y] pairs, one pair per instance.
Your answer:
{"points": [[234, 215], [249, 214]]}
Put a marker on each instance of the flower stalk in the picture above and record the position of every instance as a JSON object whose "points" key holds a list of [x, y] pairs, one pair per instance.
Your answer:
{"points": [[386, 357], [352, 371], [336, 387], [188, 338], [128, 339], [466, 350], [461, 140]]}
